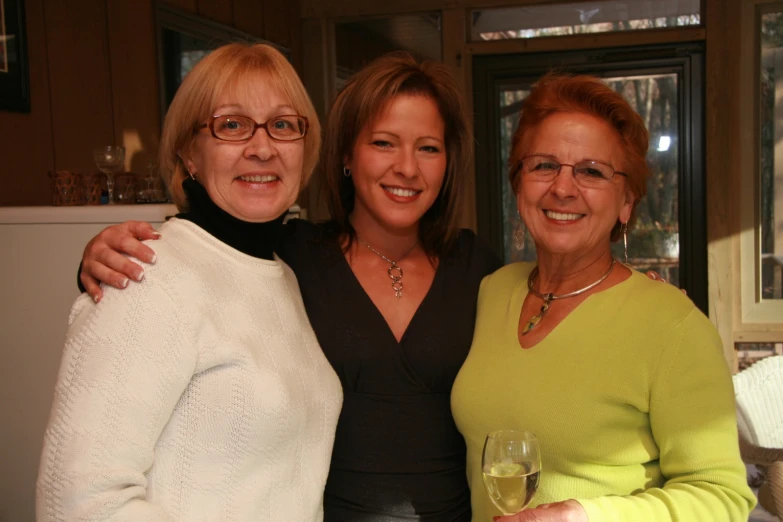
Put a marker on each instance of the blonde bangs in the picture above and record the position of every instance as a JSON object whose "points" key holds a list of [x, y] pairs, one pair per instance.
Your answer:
{"points": [[234, 69]]}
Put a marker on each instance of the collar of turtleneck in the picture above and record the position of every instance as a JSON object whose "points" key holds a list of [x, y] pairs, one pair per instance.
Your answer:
{"points": [[254, 239]]}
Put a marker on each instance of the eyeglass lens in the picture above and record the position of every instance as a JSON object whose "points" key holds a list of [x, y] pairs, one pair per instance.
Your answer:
{"points": [[238, 128], [585, 172]]}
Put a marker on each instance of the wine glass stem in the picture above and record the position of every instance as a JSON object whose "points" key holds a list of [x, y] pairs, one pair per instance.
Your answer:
{"points": [[110, 187]]}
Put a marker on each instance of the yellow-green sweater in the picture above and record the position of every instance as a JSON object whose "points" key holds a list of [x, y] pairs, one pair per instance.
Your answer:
{"points": [[630, 397]]}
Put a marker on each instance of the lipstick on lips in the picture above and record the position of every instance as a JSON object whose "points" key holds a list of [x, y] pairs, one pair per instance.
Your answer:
{"points": [[401, 194]]}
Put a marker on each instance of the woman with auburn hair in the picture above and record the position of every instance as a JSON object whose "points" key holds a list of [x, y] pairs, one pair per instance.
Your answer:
{"points": [[389, 285], [201, 393], [622, 380]]}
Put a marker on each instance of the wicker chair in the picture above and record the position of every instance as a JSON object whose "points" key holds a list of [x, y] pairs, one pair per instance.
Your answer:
{"points": [[759, 395]]}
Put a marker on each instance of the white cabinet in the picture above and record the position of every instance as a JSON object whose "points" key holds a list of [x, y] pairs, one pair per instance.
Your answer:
{"points": [[40, 249]]}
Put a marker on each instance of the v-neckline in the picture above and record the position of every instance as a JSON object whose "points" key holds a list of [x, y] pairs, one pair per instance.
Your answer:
{"points": [[522, 292], [379, 316]]}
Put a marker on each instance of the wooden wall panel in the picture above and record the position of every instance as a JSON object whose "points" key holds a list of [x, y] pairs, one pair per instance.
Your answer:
{"points": [[722, 91], [220, 11], [134, 80], [26, 148], [249, 16], [356, 47], [277, 22], [80, 82], [318, 45], [189, 6], [295, 35], [94, 81]]}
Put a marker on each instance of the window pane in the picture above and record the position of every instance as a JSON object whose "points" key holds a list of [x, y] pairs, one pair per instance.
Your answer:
{"points": [[653, 243], [749, 353], [771, 156], [580, 17]]}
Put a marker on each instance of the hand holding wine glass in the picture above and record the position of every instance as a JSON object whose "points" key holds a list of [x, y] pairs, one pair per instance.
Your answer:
{"points": [[511, 465], [110, 160], [566, 511]]}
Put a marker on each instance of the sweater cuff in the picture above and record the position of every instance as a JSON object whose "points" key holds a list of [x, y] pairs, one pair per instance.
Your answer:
{"points": [[592, 508]]}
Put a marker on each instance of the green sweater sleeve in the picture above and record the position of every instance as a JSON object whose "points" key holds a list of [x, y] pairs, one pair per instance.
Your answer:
{"points": [[693, 420]]}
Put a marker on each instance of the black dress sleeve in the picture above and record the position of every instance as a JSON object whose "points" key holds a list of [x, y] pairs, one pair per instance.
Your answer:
{"points": [[305, 245], [79, 280], [481, 259]]}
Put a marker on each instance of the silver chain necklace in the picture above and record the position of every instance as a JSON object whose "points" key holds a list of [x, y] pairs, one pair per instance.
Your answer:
{"points": [[394, 271], [548, 298]]}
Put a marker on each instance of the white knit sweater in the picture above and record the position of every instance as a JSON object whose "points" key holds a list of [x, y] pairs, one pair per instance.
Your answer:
{"points": [[200, 394]]}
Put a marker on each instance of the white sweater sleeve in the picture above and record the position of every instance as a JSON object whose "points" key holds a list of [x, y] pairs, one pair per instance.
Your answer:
{"points": [[126, 363]]}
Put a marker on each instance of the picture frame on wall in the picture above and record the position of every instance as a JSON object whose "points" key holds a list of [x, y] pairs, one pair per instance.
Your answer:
{"points": [[14, 78]]}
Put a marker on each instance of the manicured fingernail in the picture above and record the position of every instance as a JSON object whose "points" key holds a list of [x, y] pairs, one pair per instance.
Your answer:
{"points": [[157, 235], [140, 275], [154, 258], [124, 282], [97, 299]]}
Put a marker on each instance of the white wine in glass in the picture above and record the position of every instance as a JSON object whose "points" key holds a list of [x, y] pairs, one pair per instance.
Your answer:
{"points": [[110, 160], [511, 465]]}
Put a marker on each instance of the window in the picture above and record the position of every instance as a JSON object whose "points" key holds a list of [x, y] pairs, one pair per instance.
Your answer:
{"points": [[749, 353], [582, 17], [771, 154], [761, 180]]}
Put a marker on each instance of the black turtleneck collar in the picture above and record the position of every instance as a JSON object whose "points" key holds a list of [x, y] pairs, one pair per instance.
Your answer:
{"points": [[254, 239]]}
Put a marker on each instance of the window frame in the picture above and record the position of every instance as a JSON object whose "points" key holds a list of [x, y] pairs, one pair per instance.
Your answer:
{"points": [[687, 59], [759, 320]]}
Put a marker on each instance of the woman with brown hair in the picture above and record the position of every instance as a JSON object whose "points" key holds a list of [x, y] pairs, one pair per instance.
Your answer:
{"points": [[389, 285]]}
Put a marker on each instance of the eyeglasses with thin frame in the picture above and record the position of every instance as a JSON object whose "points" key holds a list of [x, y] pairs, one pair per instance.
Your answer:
{"points": [[234, 127], [587, 173]]}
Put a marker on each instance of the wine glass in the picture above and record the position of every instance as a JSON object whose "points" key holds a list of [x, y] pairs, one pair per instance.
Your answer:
{"points": [[511, 464], [110, 160]]}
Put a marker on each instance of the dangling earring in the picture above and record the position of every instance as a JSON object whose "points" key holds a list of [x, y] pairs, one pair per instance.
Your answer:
{"points": [[346, 172], [519, 233], [624, 228], [192, 176]]}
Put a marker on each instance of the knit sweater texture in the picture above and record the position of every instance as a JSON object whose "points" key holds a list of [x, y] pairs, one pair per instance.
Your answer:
{"points": [[200, 394], [629, 396]]}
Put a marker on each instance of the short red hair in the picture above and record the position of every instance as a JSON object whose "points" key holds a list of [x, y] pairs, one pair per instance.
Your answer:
{"points": [[556, 92]]}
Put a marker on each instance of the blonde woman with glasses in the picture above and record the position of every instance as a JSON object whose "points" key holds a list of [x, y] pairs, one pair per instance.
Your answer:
{"points": [[201, 393]]}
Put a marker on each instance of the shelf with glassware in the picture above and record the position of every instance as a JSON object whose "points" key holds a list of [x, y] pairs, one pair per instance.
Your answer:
{"points": [[113, 185]]}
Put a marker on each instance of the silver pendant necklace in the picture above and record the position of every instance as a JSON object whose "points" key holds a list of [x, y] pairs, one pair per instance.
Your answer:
{"points": [[548, 298], [394, 270]]}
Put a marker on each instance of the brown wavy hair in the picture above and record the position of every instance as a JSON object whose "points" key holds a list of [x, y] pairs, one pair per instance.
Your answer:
{"points": [[556, 92], [233, 67], [363, 98]]}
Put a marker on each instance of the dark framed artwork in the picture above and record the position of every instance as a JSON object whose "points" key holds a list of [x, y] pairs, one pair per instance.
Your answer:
{"points": [[14, 80]]}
